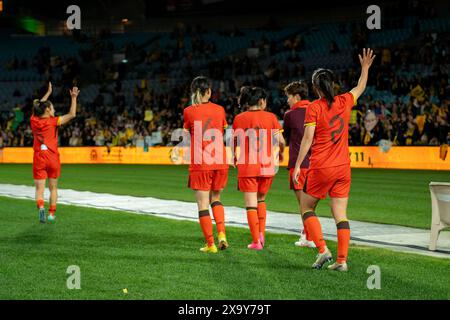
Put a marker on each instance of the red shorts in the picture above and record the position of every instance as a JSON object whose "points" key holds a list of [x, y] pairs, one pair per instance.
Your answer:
{"points": [[255, 184], [301, 179], [207, 180], [46, 165], [335, 181]]}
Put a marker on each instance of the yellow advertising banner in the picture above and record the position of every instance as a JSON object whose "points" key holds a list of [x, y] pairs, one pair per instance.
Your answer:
{"points": [[425, 158]]}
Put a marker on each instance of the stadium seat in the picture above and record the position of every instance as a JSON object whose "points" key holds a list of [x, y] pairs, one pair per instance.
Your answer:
{"points": [[440, 208]]}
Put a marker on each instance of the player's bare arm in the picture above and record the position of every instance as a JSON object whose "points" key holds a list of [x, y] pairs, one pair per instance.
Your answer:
{"points": [[281, 143], [304, 148], [366, 61], [233, 151], [73, 107], [48, 93]]}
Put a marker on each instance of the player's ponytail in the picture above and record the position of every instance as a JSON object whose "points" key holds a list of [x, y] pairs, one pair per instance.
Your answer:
{"points": [[199, 87], [322, 80], [39, 107], [244, 97]]}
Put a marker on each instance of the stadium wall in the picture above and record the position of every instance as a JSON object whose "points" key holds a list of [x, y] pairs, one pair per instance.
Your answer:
{"points": [[425, 158]]}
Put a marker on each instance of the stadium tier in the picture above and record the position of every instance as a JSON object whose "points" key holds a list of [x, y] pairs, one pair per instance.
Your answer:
{"points": [[138, 82]]}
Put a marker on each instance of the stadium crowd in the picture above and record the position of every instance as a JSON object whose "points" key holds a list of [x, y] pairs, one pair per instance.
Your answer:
{"points": [[150, 117]]}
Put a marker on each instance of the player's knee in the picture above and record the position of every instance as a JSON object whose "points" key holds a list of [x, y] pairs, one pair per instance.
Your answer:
{"points": [[261, 197], [215, 196]]}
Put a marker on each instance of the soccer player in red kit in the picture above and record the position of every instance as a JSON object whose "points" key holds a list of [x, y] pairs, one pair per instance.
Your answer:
{"points": [[208, 169], [256, 132], [326, 130], [293, 129], [46, 164]]}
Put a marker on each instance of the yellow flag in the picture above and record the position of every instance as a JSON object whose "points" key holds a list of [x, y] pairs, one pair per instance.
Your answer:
{"points": [[148, 115], [420, 120], [418, 93]]}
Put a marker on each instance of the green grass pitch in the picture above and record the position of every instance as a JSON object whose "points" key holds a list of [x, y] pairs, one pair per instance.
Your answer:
{"points": [[156, 258]]}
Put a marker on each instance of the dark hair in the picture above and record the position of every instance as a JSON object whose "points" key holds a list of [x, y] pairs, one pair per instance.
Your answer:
{"points": [[297, 87], [39, 107], [199, 86], [256, 94], [244, 96], [322, 80]]}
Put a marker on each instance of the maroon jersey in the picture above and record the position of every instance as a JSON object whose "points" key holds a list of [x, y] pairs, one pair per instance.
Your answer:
{"points": [[294, 128]]}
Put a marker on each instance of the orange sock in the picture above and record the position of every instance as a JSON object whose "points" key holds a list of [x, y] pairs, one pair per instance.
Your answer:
{"points": [[52, 210], [314, 228], [219, 216], [343, 235], [206, 225], [253, 223], [40, 203], [262, 214], [305, 230]]}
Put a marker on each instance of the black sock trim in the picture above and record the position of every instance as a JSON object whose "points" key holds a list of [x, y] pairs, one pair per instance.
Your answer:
{"points": [[343, 225], [261, 201], [308, 214], [252, 208], [203, 213], [216, 203]]}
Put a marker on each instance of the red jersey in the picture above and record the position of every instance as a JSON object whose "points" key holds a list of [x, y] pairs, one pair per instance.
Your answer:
{"points": [[255, 130], [45, 133], [330, 144], [206, 124]]}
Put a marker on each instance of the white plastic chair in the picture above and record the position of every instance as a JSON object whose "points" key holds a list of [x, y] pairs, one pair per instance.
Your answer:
{"points": [[440, 210]]}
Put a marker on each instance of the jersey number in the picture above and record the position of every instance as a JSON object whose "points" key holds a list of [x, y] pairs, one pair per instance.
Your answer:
{"points": [[338, 131]]}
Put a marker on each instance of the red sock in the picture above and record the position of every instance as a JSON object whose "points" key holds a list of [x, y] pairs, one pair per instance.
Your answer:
{"points": [[219, 216], [343, 235], [253, 223], [206, 225], [262, 214], [40, 203], [52, 210], [315, 230]]}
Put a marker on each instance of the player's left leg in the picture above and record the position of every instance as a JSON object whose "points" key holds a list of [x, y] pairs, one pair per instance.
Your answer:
{"points": [[339, 199], [202, 197], [40, 188], [219, 182], [316, 186], [53, 187], [219, 217], [339, 210], [251, 203], [264, 184], [262, 216]]}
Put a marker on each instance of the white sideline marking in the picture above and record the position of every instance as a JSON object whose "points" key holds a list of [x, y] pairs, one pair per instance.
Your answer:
{"points": [[392, 237]]}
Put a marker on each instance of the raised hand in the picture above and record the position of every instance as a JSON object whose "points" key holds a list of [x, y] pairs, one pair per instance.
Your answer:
{"points": [[74, 92], [367, 58], [49, 92]]}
